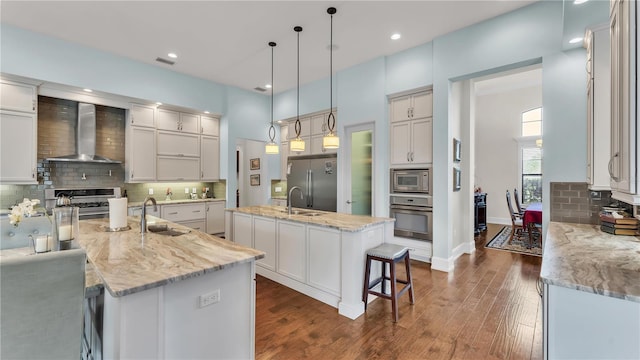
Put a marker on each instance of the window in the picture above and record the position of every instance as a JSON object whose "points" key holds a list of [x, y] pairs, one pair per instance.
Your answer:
{"points": [[530, 156]]}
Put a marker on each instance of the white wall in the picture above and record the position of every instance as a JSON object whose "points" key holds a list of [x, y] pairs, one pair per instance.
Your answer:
{"points": [[498, 118]]}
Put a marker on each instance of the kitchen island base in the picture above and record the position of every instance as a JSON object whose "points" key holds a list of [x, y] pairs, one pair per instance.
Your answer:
{"points": [[169, 322]]}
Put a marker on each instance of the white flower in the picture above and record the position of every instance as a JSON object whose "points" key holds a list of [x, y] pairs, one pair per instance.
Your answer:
{"points": [[24, 209]]}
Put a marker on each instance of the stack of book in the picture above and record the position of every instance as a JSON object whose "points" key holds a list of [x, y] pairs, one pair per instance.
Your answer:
{"points": [[625, 225]]}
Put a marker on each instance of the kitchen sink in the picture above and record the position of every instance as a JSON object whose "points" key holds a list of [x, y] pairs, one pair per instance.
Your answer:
{"points": [[302, 212], [164, 229]]}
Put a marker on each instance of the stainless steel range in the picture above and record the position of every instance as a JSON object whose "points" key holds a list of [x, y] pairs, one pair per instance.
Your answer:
{"points": [[93, 202]]}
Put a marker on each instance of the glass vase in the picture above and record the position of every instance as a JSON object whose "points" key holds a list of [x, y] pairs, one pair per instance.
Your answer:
{"points": [[65, 226]]}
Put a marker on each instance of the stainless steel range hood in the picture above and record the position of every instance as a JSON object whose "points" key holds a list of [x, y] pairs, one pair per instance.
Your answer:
{"points": [[85, 139]]}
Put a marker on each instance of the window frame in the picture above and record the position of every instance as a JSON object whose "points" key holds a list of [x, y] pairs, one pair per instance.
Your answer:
{"points": [[528, 142]]}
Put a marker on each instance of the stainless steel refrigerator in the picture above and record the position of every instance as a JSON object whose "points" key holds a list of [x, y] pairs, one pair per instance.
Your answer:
{"points": [[316, 175]]}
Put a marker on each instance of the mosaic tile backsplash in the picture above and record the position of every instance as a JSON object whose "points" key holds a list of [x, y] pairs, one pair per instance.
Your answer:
{"points": [[575, 203]]}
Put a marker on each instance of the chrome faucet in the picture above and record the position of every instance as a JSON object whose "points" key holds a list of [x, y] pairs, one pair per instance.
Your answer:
{"points": [[289, 197], [143, 216]]}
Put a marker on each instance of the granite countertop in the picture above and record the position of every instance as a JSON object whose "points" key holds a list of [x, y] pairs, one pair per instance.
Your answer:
{"points": [[127, 262], [92, 282], [174, 201], [340, 221], [581, 257]]}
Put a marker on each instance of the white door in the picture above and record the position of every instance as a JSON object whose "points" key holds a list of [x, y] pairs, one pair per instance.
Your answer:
{"points": [[359, 169]]}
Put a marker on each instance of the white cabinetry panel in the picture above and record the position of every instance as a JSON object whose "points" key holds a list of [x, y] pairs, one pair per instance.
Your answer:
{"points": [[242, 231], [291, 250], [324, 259], [210, 158], [18, 97], [209, 126], [141, 115], [18, 146], [215, 217], [176, 144], [264, 235], [178, 168]]}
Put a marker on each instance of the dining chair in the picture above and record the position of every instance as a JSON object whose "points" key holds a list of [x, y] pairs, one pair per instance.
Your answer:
{"points": [[520, 208], [516, 220]]}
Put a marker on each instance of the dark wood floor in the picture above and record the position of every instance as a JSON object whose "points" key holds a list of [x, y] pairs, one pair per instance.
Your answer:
{"points": [[488, 308]]}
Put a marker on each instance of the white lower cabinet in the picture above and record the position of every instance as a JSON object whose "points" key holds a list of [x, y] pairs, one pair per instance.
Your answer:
{"points": [[583, 325], [242, 233], [215, 217], [324, 258], [291, 250], [190, 215], [264, 239]]}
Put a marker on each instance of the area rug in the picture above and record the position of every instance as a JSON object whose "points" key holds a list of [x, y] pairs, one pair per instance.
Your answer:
{"points": [[518, 244]]}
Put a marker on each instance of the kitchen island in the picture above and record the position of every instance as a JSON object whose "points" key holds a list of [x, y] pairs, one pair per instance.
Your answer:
{"points": [[186, 296], [591, 293], [320, 254]]}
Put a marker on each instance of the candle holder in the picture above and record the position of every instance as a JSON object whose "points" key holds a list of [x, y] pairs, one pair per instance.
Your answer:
{"points": [[41, 243], [65, 226]]}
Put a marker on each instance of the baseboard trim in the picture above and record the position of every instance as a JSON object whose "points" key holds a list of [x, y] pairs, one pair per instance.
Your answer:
{"points": [[499, 221], [441, 264]]}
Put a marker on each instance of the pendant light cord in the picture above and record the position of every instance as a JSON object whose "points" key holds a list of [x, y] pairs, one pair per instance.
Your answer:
{"points": [[298, 126], [331, 119], [272, 130]]}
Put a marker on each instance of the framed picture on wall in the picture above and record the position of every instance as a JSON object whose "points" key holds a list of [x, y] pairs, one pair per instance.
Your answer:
{"points": [[456, 150], [457, 179], [254, 180], [254, 164]]}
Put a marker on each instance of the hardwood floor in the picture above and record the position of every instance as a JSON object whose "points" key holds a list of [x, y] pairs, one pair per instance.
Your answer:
{"points": [[488, 308]]}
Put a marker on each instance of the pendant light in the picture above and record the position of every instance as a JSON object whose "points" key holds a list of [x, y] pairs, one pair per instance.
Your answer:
{"points": [[272, 147], [331, 140], [297, 144]]}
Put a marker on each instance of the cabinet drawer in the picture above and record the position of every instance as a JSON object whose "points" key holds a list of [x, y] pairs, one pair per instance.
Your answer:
{"points": [[175, 144], [199, 225], [184, 212]]}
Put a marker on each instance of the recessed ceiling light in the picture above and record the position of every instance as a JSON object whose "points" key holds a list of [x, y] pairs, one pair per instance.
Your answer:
{"points": [[396, 36], [575, 40], [279, 121], [88, 90], [158, 103], [268, 86], [578, 2], [172, 55], [206, 112]]}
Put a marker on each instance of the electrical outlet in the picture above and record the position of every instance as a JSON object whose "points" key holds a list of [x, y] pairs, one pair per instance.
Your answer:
{"points": [[209, 298], [278, 188], [186, 190], [206, 189], [193, 190], [150, 191]]}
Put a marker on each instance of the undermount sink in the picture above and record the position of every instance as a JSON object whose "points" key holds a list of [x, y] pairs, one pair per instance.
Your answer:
{"points": [[164, 229], [301, 212]]}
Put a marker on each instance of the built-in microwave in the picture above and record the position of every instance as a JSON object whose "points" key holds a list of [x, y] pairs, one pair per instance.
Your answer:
{"points": [[411, 181]]}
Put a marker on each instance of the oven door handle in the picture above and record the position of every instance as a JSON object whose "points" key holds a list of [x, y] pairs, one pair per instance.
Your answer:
{"points": [[409, 208]]}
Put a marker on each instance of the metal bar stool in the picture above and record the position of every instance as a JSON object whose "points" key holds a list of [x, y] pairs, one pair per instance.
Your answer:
{"points": [[388, 254]]}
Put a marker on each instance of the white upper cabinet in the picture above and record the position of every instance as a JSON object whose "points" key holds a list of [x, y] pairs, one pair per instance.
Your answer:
{"points": [[140, 153], [142, 115], [18, 147], [18, 97], [411, 128], [209, 158], [624, 157], [415, 106], [209, 126], [176, 121], [305, 128], [598, 108], [176, 144], [319, 124], [18, 133]]}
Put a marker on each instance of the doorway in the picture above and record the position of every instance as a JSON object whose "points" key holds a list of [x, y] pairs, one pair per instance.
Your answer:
{"points": [[359, 170]]}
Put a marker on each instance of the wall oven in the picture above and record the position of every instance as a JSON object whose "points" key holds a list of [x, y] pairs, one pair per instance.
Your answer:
{"points": [[411, 181], [413, 217]]}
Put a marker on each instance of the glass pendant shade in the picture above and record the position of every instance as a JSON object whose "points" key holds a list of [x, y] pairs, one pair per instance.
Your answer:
{"points": [[272, 148], [296, 144], [330, 141]]}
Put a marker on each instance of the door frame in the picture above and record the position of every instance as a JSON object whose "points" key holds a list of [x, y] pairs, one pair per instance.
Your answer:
{"points": [[346, 165]]}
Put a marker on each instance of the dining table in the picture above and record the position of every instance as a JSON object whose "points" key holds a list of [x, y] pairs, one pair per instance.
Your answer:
{"points": [[532, 216]]}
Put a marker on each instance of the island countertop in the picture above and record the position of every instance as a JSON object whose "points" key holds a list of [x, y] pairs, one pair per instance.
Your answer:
{"points": [[340, 221], [127, 262], [175, 201], [581, 257]]}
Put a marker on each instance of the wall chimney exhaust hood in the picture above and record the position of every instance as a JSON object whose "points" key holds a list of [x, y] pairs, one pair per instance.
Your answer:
{"points": [[85, 139]]}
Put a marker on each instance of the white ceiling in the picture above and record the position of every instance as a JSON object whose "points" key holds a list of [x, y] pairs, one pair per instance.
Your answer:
{"points": [[226, 41]]}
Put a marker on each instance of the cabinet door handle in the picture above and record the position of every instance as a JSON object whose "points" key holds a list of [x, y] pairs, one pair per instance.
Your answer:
{"points": [[196, 211], [408, 112], [33, 173], [412, 156], [201, 130], [610, 168], [132, 174], [173, 213], [33, 105], [408, 157]]}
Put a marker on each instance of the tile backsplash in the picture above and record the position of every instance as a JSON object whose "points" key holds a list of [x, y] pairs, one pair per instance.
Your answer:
{"points": [[575, 203]]}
